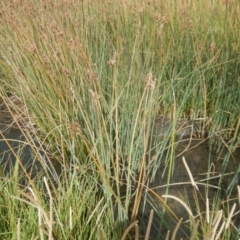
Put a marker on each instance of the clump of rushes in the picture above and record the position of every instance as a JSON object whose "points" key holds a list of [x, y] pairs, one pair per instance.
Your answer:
{"points": [[93, 75]]}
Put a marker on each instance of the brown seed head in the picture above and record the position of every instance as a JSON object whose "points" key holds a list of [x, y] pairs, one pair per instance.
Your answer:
{"points": [[150, 81], [212, 47]]}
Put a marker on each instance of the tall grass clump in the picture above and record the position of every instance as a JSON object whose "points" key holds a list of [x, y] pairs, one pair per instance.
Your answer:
{"points": [[92, 77]]}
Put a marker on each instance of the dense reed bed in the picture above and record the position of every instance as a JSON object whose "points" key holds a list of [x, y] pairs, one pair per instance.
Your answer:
{"points": [[91, 77]]}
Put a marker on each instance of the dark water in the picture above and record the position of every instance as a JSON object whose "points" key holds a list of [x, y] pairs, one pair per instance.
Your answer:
{"points": [[213, 172], [10, 142], [15, 149]]}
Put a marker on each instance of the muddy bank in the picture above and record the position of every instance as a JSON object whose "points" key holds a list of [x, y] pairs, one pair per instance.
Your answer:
{"points": [[183, 128], [212, 172]]}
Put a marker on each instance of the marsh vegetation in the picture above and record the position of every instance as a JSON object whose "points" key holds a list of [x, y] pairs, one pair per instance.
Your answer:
{"points": [[84, 82]]}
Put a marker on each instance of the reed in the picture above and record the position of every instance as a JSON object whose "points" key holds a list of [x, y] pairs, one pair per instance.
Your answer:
{"points": [[91, 77]]}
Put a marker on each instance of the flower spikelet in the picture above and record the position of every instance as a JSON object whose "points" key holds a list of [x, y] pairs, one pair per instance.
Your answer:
{"points": [[150, 81]]}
